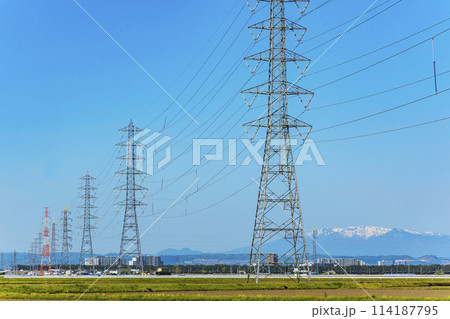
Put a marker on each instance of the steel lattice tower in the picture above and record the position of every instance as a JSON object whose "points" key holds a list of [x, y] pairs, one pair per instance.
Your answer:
{"points": [[38, 250], [14, 262], [45, 256], [30, 257], [88, 199], [66, 239], [130, 244], [314, 254], [34, 253], [53, 245], [278, 211]]}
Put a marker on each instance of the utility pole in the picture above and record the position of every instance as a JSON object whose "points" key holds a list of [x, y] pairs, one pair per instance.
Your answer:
{"points": [[130, 244], [45, 256], [53, 245], [66, 242], [36, 248], [14, 262], [278, 211], [33, 254], [30, 257], [88, 199], [314, 256]]}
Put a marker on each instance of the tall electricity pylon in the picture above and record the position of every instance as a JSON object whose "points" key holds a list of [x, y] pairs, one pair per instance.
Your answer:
{"points": [[66, 238], [45, 256], [130, 244], [53, 248], [88, 199], [278, 212]]}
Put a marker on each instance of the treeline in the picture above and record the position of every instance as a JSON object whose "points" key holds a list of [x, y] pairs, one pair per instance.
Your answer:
{"points": [[275, 269], [393, 269]]}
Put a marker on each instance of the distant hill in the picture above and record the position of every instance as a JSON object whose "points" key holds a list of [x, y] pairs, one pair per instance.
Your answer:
{"points": [[179, 252], [368, 243]]}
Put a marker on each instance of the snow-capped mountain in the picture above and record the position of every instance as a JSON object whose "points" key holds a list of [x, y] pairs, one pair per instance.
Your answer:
{"points": [[355, 231], [371, 241], [368, 231]]}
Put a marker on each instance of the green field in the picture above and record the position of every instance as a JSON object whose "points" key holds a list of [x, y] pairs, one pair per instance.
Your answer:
{"points": [[221, 289]]}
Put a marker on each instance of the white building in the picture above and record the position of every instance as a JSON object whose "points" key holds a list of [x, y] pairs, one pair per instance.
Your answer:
{"points": [[341, 262], [103, 261], [146, 261]]}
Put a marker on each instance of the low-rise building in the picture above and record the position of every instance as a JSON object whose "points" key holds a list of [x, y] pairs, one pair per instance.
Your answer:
{"points": [[104, 261], [343, 262], [154, 261]]}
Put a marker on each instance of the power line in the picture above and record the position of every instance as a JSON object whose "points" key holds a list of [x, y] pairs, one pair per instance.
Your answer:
{"points": [[383, 132], [354, 27], [196, 57], [316, 8], [210, 74], [376, 50], [202, 66], [381, 112], [342, 24], [377, 93], [381, 61]]}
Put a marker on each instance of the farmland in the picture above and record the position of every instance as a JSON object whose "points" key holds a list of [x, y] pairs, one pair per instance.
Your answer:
{"points": [[189, 288]]}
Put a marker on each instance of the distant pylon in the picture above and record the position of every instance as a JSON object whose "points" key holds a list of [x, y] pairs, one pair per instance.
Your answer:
{"points": [[88, 198], [314, 256], [14, 262], [30, 257], [45, 256], [34, 253], [39, 245], [66, 239], [278, 211], [130, 244], [53, 248]]}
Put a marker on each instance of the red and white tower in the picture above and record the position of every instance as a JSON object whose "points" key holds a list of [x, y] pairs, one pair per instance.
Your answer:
{"points": [[45, 257]]}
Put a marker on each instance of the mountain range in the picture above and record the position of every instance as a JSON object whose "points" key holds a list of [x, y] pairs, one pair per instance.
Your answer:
{"points": [[368, 243], [370, 240]]}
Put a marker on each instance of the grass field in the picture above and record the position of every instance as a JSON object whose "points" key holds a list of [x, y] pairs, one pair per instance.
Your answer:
{"points": [[221, 289]]}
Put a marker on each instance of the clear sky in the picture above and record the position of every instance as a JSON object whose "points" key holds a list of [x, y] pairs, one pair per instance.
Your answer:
{"points": [[66, 88]]}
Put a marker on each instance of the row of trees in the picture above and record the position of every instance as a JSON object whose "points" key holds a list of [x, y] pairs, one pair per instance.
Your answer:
{"points": [[239, 269]]}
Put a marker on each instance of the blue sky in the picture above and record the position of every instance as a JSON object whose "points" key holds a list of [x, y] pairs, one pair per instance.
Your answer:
{"points": [[66, 88]]}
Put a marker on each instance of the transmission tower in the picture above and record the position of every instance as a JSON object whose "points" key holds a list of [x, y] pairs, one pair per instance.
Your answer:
{"points": [[314, 256], [37, 250], [53, 245], [33, 254], [30, 258], [88, 198], [130, 244], [14, 262], [278, 211], [66, 239], [45, 256]]}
